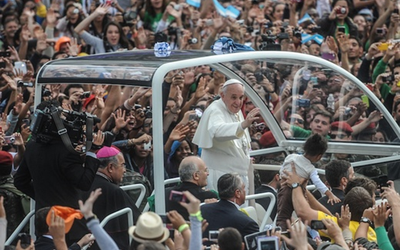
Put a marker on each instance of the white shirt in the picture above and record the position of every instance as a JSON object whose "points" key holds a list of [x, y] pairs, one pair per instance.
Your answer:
{"points": [[225, 145]]}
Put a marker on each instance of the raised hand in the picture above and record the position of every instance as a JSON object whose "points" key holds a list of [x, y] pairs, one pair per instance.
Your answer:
{"points": [[120, 119], [87, 207], [179, 132]]}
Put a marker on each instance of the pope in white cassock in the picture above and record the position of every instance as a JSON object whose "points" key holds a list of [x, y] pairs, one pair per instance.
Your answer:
{"points": [[223, 135]]}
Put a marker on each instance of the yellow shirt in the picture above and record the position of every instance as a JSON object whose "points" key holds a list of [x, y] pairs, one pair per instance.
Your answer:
{"points": [[371, 235], [353, 227]]}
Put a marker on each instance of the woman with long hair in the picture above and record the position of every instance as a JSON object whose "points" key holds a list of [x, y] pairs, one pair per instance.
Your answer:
{"points": [[113, 35]]}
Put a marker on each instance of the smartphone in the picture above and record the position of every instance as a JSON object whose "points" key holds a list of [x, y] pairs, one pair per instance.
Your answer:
{"points": [[267, 243], [177, 196], [251, 239], [163, 218], [27, 122], [304, 103], [396, 11], [5, 53], [193, 117], [209, 22], [328, 56], [2, 64], [314, 80], [317, 225], [213, 235], [20, 66], [147, 146], [365, 100], [382, 182], [380, 31], [10, 140], [341, 29], [199, 112], [25, 240]]}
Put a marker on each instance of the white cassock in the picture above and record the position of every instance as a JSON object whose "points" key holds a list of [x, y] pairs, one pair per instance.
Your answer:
{"points": [[225, 145]]}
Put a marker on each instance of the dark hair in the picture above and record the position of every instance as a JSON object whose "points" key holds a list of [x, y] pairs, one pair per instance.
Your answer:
{"points": [[41, 226], [358, 200], [230, 239], [315, 145], [123, 41], [364, 182], [349, 4], [71, 26], [151, 245], [357, 39], [151, 11], [266, 176], [57, 54], [66, 90], [335, 171], [324, 113], [228, 184]]}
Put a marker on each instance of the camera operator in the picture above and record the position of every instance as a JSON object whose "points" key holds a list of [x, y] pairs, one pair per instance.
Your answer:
{"points": [[51, 174]]}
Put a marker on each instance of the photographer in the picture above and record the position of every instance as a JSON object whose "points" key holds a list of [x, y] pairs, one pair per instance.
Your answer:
{"points": [[51, 174]]}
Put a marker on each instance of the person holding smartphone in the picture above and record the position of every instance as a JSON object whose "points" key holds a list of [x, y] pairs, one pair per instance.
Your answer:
{"points": [[338, 18]]}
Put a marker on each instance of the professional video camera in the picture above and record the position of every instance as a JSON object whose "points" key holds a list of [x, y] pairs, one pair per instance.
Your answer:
{"points": [[269, 43], [77, 127]]}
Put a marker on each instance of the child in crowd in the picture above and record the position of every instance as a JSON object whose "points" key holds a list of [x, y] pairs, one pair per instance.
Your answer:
{"points": [[314, 148]]}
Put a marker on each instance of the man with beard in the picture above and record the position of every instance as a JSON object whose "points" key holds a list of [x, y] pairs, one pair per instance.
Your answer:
{"points": [[75, 92], [355, 51]]}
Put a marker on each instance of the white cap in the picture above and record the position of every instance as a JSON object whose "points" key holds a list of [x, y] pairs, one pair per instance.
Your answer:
{"points": [[232, 81]]}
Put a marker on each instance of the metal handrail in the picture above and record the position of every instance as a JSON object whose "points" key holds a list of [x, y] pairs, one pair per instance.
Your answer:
{"points": [[166, 182], [114, 215], [21, 225], [270, 207], [136, 186], [118, 213]]}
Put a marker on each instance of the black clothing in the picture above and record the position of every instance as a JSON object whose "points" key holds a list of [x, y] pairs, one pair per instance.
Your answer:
{"points": [[265, 201], [328, 27], [112, 199], [225, 214], [197, 192], [45, 243], [336, 207], [52, 175]]}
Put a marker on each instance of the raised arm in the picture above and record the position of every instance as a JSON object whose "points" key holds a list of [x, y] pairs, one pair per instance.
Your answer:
{"points": [[101, 10]]}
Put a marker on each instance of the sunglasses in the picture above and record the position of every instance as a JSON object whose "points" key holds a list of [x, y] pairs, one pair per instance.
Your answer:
{"points": [[298, 120], [338, 136]]}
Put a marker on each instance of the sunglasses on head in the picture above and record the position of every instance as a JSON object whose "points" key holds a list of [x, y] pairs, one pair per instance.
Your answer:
{"points": [[298, 120], [338, 136]]}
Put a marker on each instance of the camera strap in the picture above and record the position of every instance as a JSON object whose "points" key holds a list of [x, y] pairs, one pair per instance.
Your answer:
{"points": [[61, 130], [89, 132]]}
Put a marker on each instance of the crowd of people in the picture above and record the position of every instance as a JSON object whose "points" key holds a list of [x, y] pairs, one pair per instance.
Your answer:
{"points": [[209, 125]]}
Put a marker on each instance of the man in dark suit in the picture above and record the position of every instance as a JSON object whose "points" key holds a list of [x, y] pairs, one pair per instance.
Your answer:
{"points": [[337, 174], [269, 184], [226, 213], [193, 173], [113, 198]]}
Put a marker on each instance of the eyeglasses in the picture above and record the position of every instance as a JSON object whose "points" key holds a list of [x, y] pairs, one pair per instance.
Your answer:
{"points": [[338, 136], [298, 120]]}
